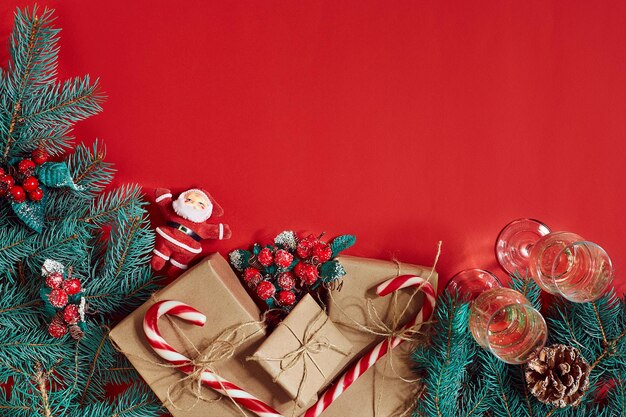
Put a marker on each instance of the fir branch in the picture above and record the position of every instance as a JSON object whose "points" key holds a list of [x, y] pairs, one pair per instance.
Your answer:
{"points": [[40, 379], [92, 367]]}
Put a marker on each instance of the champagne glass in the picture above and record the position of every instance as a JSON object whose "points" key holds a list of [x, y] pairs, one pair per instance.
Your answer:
{"points": [[561, 263], [501, 319]]}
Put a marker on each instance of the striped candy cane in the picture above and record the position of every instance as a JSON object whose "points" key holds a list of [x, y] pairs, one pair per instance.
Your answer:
{"points": [[374, 355], [210, 379]]}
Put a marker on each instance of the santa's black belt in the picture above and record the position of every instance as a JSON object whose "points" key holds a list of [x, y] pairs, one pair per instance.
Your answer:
{"points": [[185, 230]]}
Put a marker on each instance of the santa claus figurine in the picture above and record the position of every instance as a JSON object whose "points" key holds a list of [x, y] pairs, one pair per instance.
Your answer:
{"points": [[179, 241]]}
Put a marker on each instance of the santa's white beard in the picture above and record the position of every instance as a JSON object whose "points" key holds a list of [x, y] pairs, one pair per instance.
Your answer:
{"points": [[187, 212]]}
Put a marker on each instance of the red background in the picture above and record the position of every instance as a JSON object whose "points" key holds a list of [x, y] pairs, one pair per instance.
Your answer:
{"points": [[403, 122]]}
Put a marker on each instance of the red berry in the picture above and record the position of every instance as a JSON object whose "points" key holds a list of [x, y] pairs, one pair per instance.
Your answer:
{"points": [[39, 156], [71, 286], [265, 290], [30, 184], [26, 167], [286, 280], [54, 280], [57, 328], [6, 182], [58, 298], [17, 194], [322, 252], [286, 298], [252, 276], [282, 258], [71, 315], [265, 257], [306, 272], [304, 247], [36, 194]]}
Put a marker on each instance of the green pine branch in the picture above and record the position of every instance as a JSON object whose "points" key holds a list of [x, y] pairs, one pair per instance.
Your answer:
{"points": [[103, 235]]}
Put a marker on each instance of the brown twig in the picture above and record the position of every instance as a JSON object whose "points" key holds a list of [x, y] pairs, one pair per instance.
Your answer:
{"points": [[41, 378]]}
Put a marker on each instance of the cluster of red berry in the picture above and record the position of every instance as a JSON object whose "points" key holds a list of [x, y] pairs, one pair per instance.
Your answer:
{"points": [[311, 252], [68, 314], [19, 182]]}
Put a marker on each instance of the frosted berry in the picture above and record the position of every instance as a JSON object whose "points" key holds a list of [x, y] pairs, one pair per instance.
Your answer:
{"points": [[58, 298], [57, 328], [265, 290], [17, 194], [322, 252], [265, 257], [252, 276], [6, 182], [305, 246], [282, 258], [26, 167], [30, 184], [286, 298], [286, 280], [307, 273], [39, 156], [36, 194], [71, 286], [71, 315], [54, 280]]}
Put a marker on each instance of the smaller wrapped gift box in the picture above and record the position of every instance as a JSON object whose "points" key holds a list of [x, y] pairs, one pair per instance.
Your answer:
{"points": [[304, 351]]}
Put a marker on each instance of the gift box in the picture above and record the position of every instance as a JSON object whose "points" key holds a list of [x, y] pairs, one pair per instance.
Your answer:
{"points": [[383, 391], [212, 288], [304, 351]]}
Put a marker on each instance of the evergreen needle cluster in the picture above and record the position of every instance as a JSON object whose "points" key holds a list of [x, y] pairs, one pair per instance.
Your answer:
{"points": [[461, 379], [102, 234]]}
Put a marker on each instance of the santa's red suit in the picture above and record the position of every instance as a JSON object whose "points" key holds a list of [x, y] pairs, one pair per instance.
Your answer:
{"points": [[179, 241]]}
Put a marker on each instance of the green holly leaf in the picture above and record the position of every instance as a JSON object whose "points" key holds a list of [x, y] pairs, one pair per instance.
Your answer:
{"points": [[239, 259], [55, 175], [271, 270], [31, 213], [341, 243], [256, 249], [48, 309], [331, 271]]}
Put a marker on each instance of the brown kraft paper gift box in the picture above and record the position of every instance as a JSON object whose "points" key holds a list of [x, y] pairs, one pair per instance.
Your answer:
{"points": [[379, 392], [212, 288], [304, 351]]}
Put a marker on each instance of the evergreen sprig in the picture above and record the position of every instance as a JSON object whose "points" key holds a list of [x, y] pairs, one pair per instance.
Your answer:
{"points": [[463, 380], [103, 235]]}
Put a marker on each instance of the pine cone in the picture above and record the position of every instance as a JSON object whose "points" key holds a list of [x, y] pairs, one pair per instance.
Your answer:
{"points": [[559, 375]]}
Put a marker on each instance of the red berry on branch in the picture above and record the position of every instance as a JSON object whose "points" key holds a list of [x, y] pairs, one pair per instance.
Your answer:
{"points": [[36, 194], [282, 258], [286, 280], [307, 273], [17, 194], [26, 167], [265, 290], [252, 276], [30, 184], [39, 156], [286, 298], [265, 257], [304, 247], [322, 252], [6, 182], [71, 314], [54, 280], [58, 298], [71, 286], [57, 328]]}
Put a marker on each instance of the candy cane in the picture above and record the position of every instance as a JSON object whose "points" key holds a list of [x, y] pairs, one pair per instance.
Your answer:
{"points": [[374, 355], [210, 379]]}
